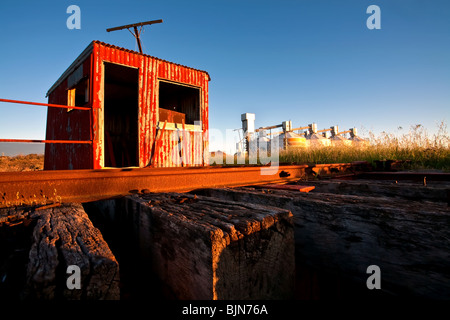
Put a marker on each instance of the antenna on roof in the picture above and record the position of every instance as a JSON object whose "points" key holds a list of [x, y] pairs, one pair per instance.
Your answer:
{"points": [[136, 33]]}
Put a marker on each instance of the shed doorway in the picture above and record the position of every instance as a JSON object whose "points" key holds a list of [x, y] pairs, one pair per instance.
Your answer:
{"points": [[121, 98]]}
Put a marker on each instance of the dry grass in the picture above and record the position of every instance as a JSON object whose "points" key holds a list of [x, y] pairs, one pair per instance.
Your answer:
{"points": [[30, 162], [423, 150]]}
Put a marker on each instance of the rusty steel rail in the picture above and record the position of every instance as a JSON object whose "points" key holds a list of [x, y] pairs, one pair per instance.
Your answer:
{"points": [[47, 187], [46, 141], [51, 105]]}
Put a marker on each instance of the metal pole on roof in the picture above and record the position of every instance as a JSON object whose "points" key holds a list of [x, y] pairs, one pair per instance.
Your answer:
{"points": [[136, 34]]}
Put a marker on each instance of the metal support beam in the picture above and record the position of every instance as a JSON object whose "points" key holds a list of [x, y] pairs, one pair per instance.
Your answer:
{"points": [[45, 141], [139, 24], [52, 105], [301, 128], [138, 39], [136, 33]]}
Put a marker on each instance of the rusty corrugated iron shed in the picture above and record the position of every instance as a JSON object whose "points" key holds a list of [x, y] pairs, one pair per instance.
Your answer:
{"points": [[186, 88]]}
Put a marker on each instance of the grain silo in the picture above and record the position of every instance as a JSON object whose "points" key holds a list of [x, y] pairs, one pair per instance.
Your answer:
{"points": [[315, 139]]}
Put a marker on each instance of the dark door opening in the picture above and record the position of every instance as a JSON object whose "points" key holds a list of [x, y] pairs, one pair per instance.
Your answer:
{"points": [[121, 116]]}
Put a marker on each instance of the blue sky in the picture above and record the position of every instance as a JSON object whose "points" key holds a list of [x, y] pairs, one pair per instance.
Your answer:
{"points": [[300, 60]]}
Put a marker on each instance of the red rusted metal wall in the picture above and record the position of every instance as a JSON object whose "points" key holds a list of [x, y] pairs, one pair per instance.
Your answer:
{"points": [[78, 125], [170, 154], [64, 125]]}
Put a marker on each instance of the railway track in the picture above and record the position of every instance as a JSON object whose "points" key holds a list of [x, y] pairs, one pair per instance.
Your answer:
{"points": [[36, 188], [49, 187]]}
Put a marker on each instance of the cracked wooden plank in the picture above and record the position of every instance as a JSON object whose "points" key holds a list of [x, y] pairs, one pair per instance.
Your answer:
{"points": [[436, 191], [65, 236], [205, 248], [343, 234]]}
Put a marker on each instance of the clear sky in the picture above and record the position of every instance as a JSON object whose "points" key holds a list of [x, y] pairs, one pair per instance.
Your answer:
{"points": [[300, 60]]}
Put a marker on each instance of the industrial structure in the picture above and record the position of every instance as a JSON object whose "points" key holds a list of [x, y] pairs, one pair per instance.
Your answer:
{"points": [[288, 138], [139, 111]]}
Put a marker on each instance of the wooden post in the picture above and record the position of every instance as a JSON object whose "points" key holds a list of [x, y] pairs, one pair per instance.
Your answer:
{"points": [[158, 144], [185, 147]]}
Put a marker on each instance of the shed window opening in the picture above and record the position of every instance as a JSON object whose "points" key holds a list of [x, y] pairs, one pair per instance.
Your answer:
{"points": [[178, 103], [78, 95]]}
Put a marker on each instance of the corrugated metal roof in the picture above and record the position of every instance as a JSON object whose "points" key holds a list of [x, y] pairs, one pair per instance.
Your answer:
{"points": [[78, 61], [82, 57], [162, 60]]}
